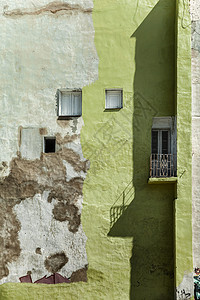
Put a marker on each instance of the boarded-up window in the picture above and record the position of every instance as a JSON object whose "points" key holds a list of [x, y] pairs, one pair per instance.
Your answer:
{"points": [[31, 143]]}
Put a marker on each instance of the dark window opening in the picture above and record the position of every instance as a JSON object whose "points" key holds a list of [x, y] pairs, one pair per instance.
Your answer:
{"points": [[160, 142], [165, 142], [49, 144], [154, 142]]}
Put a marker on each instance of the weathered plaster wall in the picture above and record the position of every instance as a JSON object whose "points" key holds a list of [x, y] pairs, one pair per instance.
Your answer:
{"points": [[195, 18], [45, 46], [109, 272], [183, 203]]}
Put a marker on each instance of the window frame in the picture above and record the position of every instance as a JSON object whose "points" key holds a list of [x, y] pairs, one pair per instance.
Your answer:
{"points": [[166, 123], [160, 130], [164, 164], [120, 90], [70, 92]]}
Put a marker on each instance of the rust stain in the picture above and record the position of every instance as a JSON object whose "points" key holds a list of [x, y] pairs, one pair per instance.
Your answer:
{"points": [[55, 262], [52, 8]]}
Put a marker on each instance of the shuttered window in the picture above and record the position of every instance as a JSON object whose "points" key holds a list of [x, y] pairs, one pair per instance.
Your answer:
{"points": [[160, 142], [165, 142], [70, 103]]}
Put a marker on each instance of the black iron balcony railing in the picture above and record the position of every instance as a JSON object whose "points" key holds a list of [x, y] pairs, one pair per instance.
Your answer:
{"points": [[163, 165]]}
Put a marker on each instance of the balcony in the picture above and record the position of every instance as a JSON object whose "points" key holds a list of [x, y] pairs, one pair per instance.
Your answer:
{"points": [[163, 165]]}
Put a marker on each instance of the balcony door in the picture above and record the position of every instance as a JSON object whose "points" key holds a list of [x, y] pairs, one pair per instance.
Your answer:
{"points": [[161, 159], [163, 147], [160, 143]]}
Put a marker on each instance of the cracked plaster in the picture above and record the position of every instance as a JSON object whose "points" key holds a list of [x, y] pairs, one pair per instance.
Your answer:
{"points": [[41, 55]]}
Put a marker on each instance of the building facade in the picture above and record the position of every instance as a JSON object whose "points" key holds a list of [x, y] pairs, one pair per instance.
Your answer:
{"points": [[96, 159]]}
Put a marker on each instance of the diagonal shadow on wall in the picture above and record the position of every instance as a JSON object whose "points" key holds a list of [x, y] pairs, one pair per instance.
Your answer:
{"points": [[122, 203], [148, 216]]}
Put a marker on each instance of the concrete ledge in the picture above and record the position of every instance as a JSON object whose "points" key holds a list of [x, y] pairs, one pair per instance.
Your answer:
{"points": [[162, 180]]}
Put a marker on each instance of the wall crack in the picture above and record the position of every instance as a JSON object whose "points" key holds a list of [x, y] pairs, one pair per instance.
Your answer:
{"points": [[52, 8]]}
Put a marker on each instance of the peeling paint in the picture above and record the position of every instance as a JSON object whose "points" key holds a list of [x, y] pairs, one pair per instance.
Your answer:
{"points": [[79, 275], [38, 250], [63, 212], [9, 242], [55, 262], [28, 179], [51, 46], [43, 131]]}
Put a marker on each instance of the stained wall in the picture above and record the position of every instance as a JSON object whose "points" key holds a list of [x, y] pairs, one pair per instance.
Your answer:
{"points": [[45, 47]]}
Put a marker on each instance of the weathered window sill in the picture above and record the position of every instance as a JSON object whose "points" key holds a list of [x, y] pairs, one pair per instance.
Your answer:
{"points": [[162, 180]]}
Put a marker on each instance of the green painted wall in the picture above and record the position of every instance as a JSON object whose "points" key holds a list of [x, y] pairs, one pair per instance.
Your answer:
{"points": [[133, 259], [135, 45]]}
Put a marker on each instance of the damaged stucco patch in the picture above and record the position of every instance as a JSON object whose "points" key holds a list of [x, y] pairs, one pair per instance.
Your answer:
{"points": [[49, 45], [9, 242], [38, 250], [79, 275], [40, 195], [55, 262], [65, 212], [52, 8]]}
